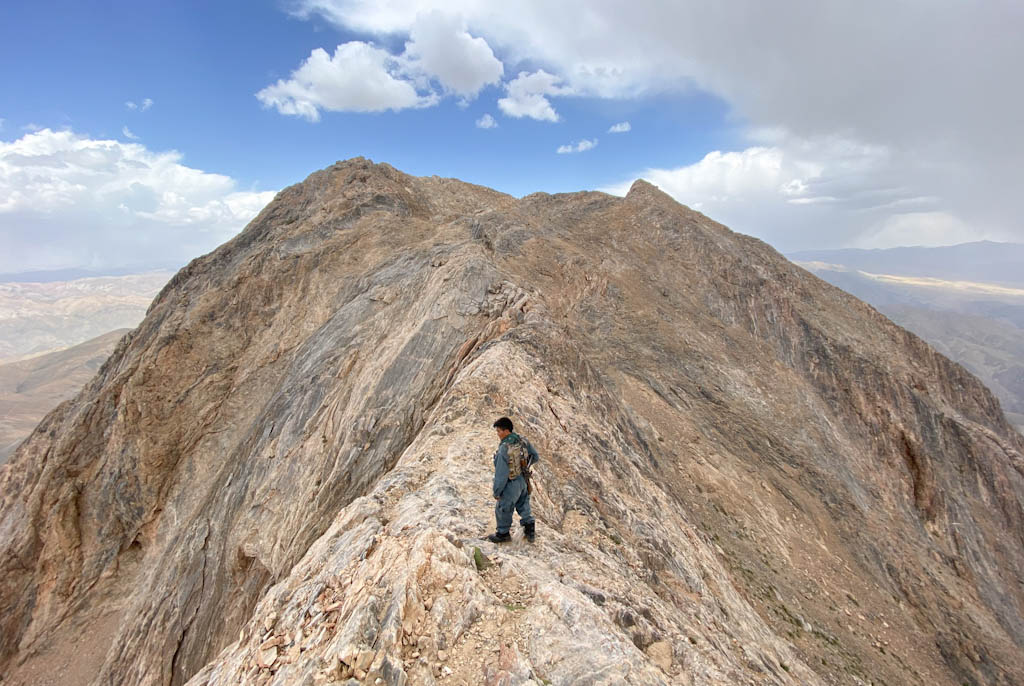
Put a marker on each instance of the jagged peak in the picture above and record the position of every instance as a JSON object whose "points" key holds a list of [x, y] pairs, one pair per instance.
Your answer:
{"points": [[643, 188], [646, 194], [366, 170]]}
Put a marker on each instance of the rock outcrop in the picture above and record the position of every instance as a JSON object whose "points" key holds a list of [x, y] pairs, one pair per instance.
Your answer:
{"points": [[282, 476]]}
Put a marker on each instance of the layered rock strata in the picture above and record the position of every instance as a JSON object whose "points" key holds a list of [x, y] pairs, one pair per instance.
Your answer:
{"points": [[282, 476]]}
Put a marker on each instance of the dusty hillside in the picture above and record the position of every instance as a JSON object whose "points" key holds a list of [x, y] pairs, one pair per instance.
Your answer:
{"points": [[282, 475], [29, 389]]}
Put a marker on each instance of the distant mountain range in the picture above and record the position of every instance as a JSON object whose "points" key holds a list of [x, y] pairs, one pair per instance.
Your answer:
{"points": [[38, 316], [51, 275], [984, 261], [966, 300]]}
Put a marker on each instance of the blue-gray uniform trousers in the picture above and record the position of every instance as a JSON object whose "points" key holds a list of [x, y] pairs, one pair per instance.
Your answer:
{"points": [[513, 496]]}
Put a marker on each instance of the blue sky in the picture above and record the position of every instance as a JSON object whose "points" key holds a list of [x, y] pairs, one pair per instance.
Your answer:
{"points": [[808, 127], [202, 64]]}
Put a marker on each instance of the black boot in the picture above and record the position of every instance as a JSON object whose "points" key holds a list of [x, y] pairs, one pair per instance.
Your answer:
{"points": [[530, 531], [499, 537]]}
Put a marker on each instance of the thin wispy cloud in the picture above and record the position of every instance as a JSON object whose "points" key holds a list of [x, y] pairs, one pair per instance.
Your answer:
{"points": [[582, 146], [141, 107], [621, 127], [486, 122], [127, 133]]}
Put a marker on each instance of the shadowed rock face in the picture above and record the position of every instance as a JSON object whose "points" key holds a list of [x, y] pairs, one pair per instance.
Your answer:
{"points": [[282, 474]]}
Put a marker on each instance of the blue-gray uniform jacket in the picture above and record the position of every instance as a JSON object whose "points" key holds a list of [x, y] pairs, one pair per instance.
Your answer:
{"points": [[501, 461]]}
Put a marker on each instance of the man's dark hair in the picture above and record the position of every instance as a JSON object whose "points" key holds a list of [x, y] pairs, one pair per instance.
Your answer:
{"points": [[504, 423]]}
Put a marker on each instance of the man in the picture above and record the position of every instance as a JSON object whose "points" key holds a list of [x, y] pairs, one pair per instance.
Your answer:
{"points": [[511, 493]]}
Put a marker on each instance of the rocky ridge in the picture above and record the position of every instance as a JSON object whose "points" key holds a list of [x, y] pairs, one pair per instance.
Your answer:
{"points": [[282, 475]]}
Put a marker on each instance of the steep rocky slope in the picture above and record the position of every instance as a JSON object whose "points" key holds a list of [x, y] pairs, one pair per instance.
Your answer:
{"points": [[979, 325], [282, 475], [990, 349], [31, 388]]}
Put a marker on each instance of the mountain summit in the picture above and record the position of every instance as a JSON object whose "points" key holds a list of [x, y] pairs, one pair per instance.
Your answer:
{"points": [[282, 476]]}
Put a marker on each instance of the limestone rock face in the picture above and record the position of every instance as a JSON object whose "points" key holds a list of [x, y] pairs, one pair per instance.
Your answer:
{"points": [[283, 475]]}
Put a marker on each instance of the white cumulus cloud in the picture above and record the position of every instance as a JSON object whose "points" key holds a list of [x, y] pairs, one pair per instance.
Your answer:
{"points": [[527, 95], [68, 200], [440, 58], [357, 78], [582, 146], [621, 127], [486, 122], [441, 48]]}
